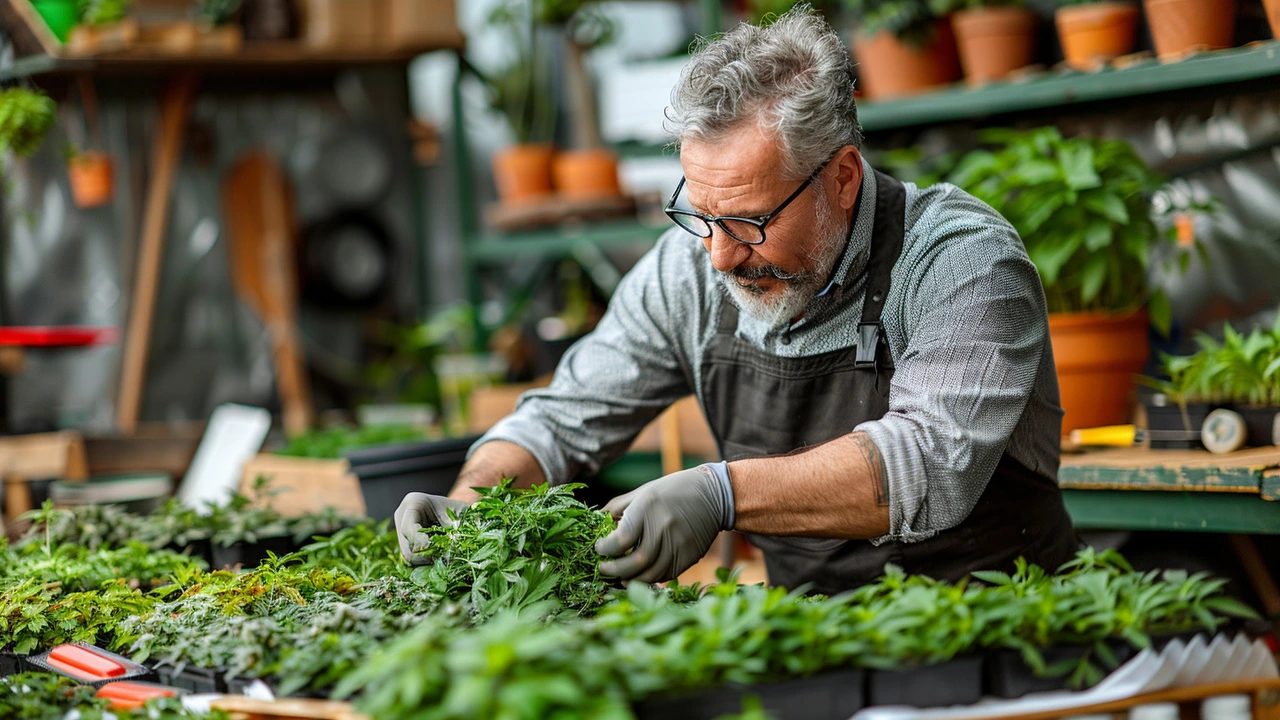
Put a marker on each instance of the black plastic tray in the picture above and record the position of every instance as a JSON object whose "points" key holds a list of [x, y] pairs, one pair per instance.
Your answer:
{"points": [[957, 682], [389, 472], [1168, 419], [1008, 676], [249, 555], [192, 679], [834, 695]]}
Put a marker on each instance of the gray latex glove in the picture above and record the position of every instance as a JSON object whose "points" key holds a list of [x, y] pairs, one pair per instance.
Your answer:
{"points": [[419, 510], [668, 524]]}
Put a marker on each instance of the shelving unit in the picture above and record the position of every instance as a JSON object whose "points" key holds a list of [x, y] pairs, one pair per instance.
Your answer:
{"points": [[485, 252], [1260, 62]]}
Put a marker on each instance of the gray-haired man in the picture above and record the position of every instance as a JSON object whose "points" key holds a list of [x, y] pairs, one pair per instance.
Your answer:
{"points": [[873, 358]]}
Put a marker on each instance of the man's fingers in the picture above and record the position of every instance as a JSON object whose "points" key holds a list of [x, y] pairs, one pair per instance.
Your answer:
{"points": [[617, 506], [411, 543], [622, 539], [627, 567]]}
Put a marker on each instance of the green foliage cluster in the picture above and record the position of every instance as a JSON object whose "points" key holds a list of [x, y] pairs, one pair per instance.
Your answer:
{"points": [[911, 21], [331, 443], [26, 116], [77, 569], [942, 8], [1081, 206], [40, 696], [36, 615], [1240, 369], [646, 642], [104, 12], [216, 12], [515, 547]]}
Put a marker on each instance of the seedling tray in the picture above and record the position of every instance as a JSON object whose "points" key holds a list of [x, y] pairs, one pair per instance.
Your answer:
{"points": [[1008, 676], [958, 682], [828, 696], [193, 679], [249, 555], [389, 472], [1165, 424]]}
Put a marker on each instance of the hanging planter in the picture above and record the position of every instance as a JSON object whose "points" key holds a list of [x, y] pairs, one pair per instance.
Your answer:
{"points": [[994, 41], [1179, 27], [1095, 33], [889, 66]]}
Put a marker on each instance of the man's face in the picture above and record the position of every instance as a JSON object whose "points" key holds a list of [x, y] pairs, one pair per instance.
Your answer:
{"points": [[741, 175]]}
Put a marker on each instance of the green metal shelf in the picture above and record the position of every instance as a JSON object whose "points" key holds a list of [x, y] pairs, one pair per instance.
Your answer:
{"points": [[561, 241], [1182, 511], [1068, 88]]}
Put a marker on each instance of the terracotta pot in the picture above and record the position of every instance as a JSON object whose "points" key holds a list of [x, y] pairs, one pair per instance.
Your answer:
{"points": [[1273, 16], [1098, 356], [523, 172], [1095, 34], [994, 41], [888, 67], [1181, 26], [92, 176], [586, 174]]}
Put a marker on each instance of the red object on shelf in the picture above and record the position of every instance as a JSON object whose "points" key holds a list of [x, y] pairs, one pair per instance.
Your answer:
{"points": [[37, 336], [127, 695], [84, 664]]}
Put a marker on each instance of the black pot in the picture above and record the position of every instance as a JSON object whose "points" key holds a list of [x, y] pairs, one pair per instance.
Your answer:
{"points": [[202, 549], [1170, 431], [389, 472], [249, 555], [958, 682], [1008, 676], [1261, 425], [832, 695], [11, 664], [197, 680]]}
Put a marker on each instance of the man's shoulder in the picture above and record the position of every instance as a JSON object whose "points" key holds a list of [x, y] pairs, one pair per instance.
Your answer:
{"points": [[944, 221]]}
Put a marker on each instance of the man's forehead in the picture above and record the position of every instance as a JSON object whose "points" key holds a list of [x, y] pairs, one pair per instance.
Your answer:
{"points": [[739, 166]]}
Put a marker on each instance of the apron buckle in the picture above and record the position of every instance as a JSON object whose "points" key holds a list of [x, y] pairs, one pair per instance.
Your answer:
{"points": [[869, 335]]}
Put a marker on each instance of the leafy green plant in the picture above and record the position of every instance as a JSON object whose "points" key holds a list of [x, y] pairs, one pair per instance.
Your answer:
{"points": [[331, 443], [512, 548], [911, 21], [26, 116], [87, 526], [40, 696], [1081, 206], [216, 12], [1241, 369], [35, 615], [104, 12], [75, 568], [941, 8], [247, 518]]}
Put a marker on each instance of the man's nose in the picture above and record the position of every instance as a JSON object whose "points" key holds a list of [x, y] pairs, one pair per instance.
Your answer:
{"points": [[726, 253]]}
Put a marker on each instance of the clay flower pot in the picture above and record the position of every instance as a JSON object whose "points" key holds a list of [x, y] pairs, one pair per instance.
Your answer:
{"points": [[1182, 26], [1098, 355], [92, 177], [1097, 33], [523, 172], [994, 41], [586, 174], [888, 67], [1273, 15]]}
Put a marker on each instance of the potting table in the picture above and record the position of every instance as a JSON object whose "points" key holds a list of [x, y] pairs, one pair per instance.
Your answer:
{"points": [[1181, 490]]}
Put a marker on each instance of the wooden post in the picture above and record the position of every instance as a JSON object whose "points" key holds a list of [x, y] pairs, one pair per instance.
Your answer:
{"points": [[175, 109], [1256, 568]]}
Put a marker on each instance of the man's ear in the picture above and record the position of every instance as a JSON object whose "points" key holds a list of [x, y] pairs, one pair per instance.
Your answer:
{"points": [[848, 168]]}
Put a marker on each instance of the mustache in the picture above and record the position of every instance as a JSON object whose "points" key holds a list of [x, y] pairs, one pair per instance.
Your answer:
{"points": [[760, 272]]}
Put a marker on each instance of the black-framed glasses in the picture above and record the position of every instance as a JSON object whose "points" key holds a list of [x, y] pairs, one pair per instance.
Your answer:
{"points": [[746, 230]]}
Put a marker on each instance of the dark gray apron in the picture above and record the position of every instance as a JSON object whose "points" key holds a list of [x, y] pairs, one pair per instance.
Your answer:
{"points": [[759, 405]]}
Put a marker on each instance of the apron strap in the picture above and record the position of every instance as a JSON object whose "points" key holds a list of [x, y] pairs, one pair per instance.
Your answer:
{"points": [[887, 234]]}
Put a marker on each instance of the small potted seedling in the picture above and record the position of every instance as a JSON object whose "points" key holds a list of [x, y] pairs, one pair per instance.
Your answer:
{"points": [[1094, 33], [902, 47], [91, 174], [104, 26], [995, 37]]}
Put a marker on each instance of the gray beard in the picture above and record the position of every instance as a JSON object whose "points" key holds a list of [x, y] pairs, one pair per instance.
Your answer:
{"points": [[778, 310]]}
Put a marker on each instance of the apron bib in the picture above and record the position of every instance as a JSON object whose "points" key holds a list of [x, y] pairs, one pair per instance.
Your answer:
{"points": [[759, 405]]}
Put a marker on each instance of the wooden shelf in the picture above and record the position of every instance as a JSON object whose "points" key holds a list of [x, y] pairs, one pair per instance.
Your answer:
{"points": [[1061, 88]]}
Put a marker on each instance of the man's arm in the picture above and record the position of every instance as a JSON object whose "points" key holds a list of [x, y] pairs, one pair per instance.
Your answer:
{"points": [[838, 489], [492, 462]]}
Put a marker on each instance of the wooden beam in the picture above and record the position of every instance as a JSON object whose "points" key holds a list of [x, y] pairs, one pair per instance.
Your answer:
{"points": [[175, 109]]}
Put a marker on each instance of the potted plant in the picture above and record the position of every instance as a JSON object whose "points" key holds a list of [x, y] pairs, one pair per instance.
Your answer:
{"points": [[26, 116], [1179, 27], [995, 37], [217, 24], [1094, 33], [522, 92], [901, 47], [92, 177], [1081, 207], [104, 25], [589, 170]]}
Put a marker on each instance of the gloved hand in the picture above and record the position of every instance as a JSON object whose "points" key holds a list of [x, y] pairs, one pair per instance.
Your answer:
{"points": [[668, 524], [419, 510]]}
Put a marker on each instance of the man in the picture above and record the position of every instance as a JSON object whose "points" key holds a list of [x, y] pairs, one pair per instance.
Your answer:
{"points": [[872, 358]]}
